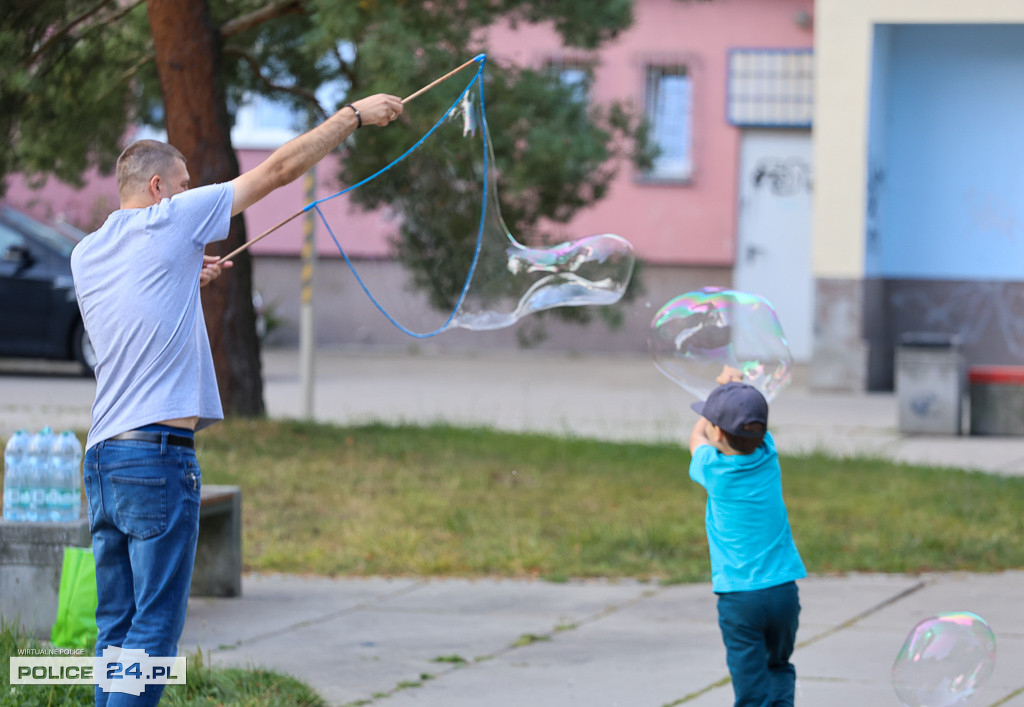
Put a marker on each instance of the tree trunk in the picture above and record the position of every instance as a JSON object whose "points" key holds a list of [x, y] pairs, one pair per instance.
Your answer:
{"points": [[188, 61]]}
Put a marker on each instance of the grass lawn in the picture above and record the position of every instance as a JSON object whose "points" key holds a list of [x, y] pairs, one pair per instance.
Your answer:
{"points": [[379, 500]]}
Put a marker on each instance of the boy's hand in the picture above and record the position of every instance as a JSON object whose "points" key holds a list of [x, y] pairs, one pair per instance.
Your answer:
{"points": [[728, 375]]}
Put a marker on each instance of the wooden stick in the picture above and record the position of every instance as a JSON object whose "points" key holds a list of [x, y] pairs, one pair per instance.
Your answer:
{"points": [[437, 81], [263, 235], [298, 213]]}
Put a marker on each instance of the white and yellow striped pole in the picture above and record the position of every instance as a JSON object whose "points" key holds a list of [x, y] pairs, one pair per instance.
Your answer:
{"points": [[307, 341]]}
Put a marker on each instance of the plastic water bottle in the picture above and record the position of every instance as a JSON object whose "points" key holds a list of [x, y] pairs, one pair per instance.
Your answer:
{"points": [[51, 486], [16, 492], [67, 475], [39, 477]]}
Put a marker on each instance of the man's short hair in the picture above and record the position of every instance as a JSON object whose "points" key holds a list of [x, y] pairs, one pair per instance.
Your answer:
{"points": [[140, 161]]}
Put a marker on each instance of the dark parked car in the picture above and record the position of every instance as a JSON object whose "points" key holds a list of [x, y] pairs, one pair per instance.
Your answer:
{"points": [[39, 315]]}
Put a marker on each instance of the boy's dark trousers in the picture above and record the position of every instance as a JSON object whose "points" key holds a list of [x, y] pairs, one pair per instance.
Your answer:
{"points": [[759, 630]]}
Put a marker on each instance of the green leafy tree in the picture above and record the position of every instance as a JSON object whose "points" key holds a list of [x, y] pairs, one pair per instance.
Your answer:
{"points": [[554, 152], [76, 74], [65, 72]]}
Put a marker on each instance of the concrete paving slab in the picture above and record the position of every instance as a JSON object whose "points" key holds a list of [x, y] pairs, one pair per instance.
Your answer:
{"points": [[998, 454], [844, 693], [1015, 699], [994, 597], [991, 596], [569, 602], [356, 656], [273, 604], [831, 601], [648, 652], [544, 678], [1008, 676], [354, 639], [852, 655]]}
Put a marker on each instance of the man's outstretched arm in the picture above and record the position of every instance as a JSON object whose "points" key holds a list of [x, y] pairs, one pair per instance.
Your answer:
{"points": [[293, 159]]}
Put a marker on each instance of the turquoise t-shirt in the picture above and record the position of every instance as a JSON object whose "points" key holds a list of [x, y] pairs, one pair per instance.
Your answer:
{"points": [[137, 282], [749, 538]]}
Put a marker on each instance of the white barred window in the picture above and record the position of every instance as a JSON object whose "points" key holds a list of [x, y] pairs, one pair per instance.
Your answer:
{"points": [[668, 101], [771, 87]]}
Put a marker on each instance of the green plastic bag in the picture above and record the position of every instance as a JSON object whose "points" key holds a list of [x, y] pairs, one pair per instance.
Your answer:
{"points": [[75, 626]]}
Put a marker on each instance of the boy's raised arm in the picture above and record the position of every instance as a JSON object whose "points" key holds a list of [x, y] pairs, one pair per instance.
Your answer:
{"points": [[698, 435]]}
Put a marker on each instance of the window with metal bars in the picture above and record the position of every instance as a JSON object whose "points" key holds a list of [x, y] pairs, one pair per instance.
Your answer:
{"points": [[771, 88], [668, 98]]}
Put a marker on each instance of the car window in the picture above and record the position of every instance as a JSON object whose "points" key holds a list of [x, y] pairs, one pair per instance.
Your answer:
{"points": [[9, 238], [63, 244]]}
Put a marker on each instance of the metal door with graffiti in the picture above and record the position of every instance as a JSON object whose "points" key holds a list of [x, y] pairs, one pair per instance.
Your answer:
{"points": [[773, 254]]}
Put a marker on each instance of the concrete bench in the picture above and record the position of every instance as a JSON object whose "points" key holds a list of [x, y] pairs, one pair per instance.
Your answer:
{"points": [[32, 556], [218, 568]]}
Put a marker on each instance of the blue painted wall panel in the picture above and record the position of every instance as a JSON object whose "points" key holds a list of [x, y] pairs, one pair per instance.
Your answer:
{"points": [[948, 139]]}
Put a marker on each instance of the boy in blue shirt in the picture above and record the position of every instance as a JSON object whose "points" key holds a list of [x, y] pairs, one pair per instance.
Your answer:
{"points": [[754, 561]]}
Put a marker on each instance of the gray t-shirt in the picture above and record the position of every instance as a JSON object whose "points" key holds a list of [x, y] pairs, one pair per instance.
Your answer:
{"points": [[137, 281]]}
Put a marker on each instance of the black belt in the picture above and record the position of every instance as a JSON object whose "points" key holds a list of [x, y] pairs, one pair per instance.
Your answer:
{"points": [[157, 437]]}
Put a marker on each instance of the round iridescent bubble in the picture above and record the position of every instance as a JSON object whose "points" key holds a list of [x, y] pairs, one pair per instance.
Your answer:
{"points": [[944, 661], [695, 335]]}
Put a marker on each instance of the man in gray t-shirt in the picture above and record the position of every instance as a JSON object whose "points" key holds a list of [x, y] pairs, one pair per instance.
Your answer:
{"points": [[137, 279], [154, 363]]}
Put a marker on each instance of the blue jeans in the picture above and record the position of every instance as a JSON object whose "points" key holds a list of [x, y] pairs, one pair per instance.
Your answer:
{"points": [[144, 519], [759, 630]]}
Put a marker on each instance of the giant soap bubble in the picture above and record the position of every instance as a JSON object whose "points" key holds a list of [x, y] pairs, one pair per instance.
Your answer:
{"points": [[698, 333], [944, 661], [443, 192]]}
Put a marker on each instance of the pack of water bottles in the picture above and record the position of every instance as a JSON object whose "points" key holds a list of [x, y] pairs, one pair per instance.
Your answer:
{"points": [[43, 476]]}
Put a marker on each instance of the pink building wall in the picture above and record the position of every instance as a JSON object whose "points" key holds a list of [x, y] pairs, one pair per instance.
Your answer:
{"points": [[692, 224], [674, 224]]}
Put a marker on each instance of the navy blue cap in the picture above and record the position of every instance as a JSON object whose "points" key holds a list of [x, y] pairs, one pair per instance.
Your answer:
{"points": [[733, 406]]}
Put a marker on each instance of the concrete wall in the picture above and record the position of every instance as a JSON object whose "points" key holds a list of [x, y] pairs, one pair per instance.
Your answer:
{"points": [[692, 223], [984, 316]]}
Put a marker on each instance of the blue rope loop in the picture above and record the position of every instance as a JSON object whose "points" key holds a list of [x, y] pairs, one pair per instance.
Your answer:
{"points": [[478, 79]]}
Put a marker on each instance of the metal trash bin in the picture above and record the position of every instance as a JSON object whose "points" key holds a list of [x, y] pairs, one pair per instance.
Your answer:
{"points": [[930, 383], [997, 400]]}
